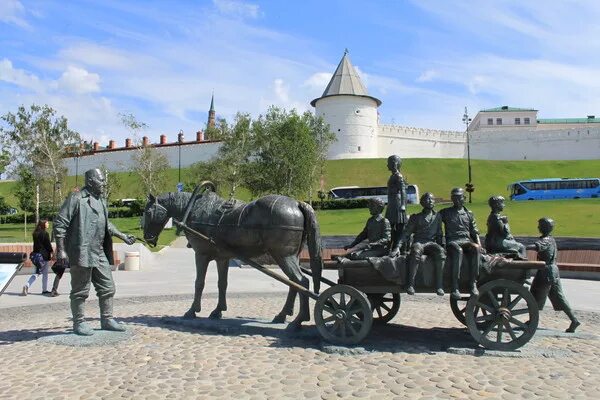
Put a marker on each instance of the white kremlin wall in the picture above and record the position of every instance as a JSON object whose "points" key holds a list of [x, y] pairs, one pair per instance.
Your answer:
{"points": [[121, 159], [410, 142], [353, 119], [535, 144]]}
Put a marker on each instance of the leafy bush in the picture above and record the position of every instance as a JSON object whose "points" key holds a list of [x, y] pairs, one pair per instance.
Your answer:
{"points": [[120, 212], [137, 207]]}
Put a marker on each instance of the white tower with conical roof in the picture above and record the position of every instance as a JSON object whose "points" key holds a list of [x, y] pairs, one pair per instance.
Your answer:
{"points": [[350, 112]]}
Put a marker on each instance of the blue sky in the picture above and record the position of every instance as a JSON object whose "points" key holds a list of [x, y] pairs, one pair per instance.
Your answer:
{"points": [[426, 60]]}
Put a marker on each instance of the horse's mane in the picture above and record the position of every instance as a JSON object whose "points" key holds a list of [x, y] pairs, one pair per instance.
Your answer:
{"points": [[210, 201]]}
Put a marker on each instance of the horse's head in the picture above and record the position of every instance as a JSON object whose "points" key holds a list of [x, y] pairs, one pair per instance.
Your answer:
{"points": [[154, 220]]}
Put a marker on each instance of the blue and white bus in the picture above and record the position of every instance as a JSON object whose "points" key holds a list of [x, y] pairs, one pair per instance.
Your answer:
{"points": [[555, 188], [355, 192]]}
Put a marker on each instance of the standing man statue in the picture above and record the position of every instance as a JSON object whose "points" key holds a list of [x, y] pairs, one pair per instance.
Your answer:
{"points": [[462, 236], [83, 237], [426, 230], [396, 207], [547, 281], [376, 231], [498, 238]]}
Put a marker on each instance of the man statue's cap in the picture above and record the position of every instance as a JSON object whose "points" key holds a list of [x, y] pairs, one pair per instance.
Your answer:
{"points": [[457, 191]]}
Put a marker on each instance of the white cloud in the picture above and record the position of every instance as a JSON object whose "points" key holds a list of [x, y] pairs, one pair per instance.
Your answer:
{"points": [[427, 76], [18, 77], [318, 81], [12, 12], [97, 56], [282, 91], [79, 81], [237, 8]]}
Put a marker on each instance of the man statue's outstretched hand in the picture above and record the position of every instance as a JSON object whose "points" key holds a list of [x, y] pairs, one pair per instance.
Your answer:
{"points": [[129, 239]]}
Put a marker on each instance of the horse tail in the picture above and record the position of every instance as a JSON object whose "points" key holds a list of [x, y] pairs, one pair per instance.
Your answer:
{"points": [[311, 231]]}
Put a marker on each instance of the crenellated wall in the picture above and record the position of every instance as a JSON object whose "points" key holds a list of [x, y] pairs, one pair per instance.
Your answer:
{"points": [[536, 144], [121, 159], [409, 142]]}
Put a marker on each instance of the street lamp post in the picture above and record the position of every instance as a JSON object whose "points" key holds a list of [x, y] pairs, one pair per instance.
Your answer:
{"points": [[179, 141], [469, 185]]}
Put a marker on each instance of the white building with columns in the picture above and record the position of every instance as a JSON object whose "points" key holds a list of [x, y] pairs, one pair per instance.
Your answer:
{"points": [[508, 133]]}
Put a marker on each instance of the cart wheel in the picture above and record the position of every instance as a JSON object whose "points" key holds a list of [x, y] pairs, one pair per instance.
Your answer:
{"points": [[343, 315], [511, 319], [384, 306], [459, 308]]}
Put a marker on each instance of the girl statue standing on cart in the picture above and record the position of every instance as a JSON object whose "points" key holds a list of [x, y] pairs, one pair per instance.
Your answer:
{"points": [[396, 206]]}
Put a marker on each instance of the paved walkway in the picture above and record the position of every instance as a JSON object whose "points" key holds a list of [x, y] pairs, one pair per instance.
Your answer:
{"points": [[172, 272], [424, 353]]}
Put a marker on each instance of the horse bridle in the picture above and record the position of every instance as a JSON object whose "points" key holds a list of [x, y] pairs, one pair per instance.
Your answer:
{"points": [[204, 185]]}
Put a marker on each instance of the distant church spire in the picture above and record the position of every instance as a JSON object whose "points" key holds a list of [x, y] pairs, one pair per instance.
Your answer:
{"points": [[211, 113]]}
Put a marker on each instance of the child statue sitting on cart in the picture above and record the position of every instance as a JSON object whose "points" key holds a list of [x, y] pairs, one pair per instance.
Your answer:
{"points": [[425, 228], [377, 232], [498, 238]]}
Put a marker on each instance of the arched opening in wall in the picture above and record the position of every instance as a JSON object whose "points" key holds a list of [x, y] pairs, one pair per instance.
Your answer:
{"points": [[358, 148]]}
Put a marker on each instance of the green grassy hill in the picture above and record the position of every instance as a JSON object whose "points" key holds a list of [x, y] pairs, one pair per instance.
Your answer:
{"points": [[574, 218], [434, 175], [441, 175]]}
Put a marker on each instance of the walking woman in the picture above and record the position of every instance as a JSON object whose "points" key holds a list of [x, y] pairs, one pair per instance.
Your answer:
{"points": [[41, 254]]}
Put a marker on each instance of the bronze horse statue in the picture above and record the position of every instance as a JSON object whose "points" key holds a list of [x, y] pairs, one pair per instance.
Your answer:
{"points": [[274, 225]]}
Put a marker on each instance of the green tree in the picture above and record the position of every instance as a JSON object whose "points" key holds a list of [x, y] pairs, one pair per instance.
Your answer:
{"points": [[113, 183], [226, 169], [148, 164], [24, 191], [38, 139], [287, 150], [4, 206], [4, 160]]}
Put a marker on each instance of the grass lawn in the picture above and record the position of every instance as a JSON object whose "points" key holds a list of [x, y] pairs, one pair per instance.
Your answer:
{"points": [[573, 218], [11, 233]]}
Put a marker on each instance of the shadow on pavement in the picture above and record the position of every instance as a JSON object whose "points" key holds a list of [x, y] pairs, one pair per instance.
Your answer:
{"points": [[389, 338], [26, 335]]}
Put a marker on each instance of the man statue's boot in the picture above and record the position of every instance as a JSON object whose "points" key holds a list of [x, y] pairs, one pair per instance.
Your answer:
{"points": [[439, 277], [456, 264], [107, 321], [474, 274], [80, 327], [412, 274]]}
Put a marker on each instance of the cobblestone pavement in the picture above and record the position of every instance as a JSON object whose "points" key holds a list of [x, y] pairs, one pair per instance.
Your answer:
{"points": [[161, 359]]}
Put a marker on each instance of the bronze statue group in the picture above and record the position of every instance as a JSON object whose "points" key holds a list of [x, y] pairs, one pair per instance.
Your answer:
{"points": [[83, 238], [422, 234]]}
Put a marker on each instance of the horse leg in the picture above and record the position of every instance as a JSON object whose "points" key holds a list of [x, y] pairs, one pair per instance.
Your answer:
{"points": [[288, 307], [223, 270], [201, 268], [290, 265]]}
